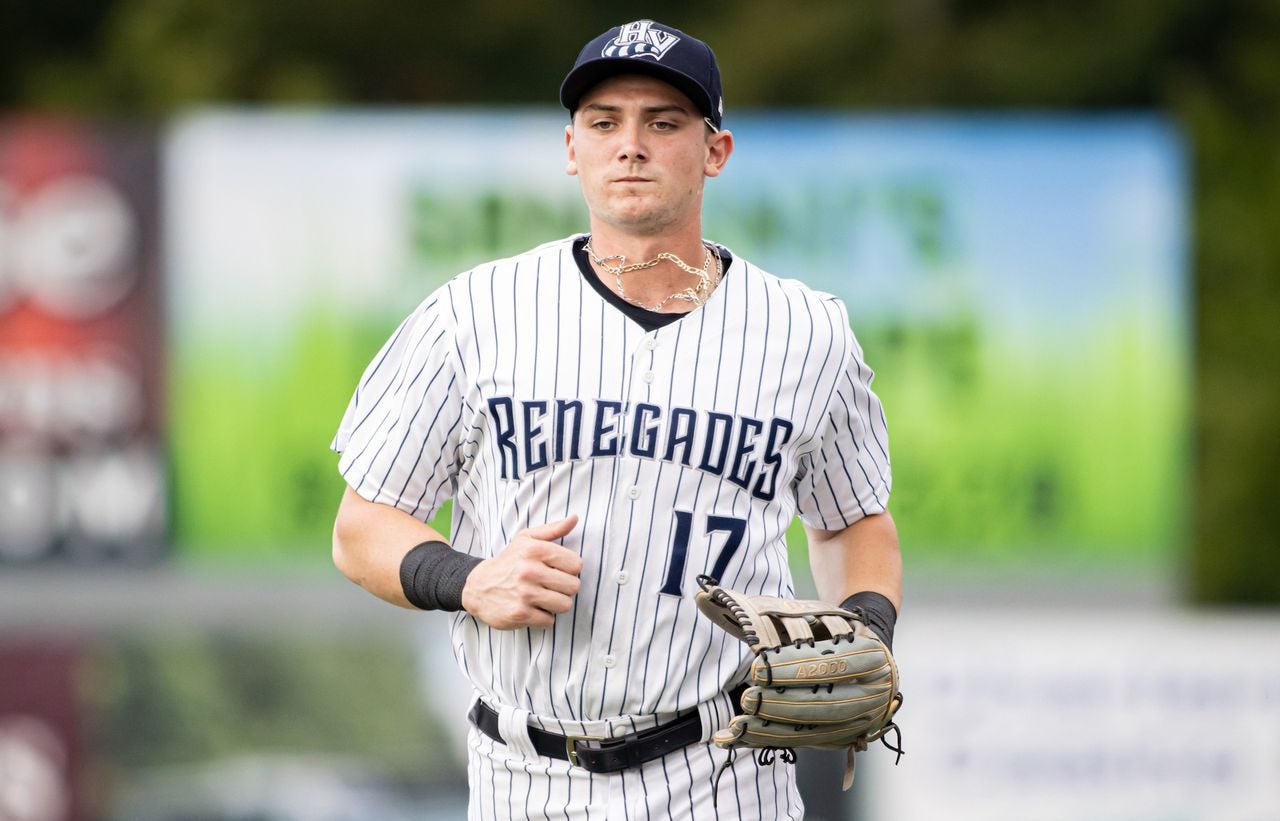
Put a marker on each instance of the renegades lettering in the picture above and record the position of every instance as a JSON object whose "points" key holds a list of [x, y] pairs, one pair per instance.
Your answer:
{"points": [[530, 435]]}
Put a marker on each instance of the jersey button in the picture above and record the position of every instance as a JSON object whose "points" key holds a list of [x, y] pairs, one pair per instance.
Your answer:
{"points": [[609, 661], [622, 577], [634, 493], [647, 376], [650, 344]]}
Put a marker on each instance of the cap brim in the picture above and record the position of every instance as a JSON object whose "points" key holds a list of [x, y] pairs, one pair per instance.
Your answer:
{"points": [[590, 74]]}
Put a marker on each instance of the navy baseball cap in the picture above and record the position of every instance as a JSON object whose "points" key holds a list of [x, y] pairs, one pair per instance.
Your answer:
{"points": [[646, 47]]}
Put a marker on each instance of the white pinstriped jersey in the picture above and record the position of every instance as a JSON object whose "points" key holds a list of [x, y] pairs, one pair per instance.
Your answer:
{"points": [[516, 390]]}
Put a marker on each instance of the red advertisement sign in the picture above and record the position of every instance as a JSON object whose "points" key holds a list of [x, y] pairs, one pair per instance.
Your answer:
{"points": [[81, 354], [40, 732]]}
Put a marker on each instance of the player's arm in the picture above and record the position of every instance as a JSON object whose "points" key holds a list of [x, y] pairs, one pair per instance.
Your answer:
{"points": [[861, 563], [370, 542], [406, 562]]}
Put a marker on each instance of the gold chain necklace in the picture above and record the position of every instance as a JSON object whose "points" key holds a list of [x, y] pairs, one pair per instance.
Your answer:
{"points": [[696, 294]]}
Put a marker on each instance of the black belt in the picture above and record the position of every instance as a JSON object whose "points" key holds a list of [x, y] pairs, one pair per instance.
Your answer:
{"points": [[601, 755]]}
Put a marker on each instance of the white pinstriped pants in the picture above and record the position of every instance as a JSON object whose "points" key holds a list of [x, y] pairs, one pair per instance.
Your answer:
{"points": [[507, 784]]}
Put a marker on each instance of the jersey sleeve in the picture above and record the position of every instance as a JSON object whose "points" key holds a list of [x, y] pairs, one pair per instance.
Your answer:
{"points": [[847, 476], [400, 438]]}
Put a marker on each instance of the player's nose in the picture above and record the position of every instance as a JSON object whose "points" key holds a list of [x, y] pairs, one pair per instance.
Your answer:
{"points": [[631, 143]]}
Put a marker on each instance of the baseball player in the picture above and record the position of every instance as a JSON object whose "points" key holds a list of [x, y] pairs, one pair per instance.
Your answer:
{"points": [[616, 414]]}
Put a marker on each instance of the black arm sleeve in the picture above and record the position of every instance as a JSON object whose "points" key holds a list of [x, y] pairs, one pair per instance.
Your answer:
{"points": [[880, 613]]}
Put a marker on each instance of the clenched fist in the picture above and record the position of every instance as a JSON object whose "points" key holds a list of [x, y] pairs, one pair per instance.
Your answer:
{"points": [[531, 580]]}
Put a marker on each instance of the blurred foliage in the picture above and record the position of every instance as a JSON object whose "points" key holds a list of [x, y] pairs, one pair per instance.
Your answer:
{"points": [[277, 495], [178, 699], [1077, 473], [1212, 65]]}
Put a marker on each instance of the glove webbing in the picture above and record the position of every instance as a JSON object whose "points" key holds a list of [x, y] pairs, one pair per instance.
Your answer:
{"points": [[760, 629]]}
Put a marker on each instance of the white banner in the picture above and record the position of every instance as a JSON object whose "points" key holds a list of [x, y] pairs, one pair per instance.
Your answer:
{"points": [[1052, 715]]}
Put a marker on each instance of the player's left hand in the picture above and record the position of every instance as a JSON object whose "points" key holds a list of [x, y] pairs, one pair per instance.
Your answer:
{"points": [[820, 677]]}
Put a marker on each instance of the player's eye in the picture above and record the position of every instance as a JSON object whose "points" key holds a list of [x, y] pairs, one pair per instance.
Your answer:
{"points": [[603, 125], [664, 125]]}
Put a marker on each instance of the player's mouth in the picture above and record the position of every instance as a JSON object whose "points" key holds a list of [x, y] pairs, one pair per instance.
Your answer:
{"points": [[633, 179]]}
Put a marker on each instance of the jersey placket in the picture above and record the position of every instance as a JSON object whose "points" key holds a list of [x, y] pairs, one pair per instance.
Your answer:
{"points": [[619, 587]]}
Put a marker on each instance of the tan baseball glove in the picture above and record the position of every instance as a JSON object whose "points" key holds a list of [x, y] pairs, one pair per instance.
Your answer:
{"points": [[820, 678]]}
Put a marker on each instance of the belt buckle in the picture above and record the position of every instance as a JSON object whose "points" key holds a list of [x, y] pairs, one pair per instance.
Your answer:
{"points": [[570, 742]]}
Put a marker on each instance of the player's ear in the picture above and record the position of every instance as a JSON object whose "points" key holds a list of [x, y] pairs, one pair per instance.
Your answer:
{"points": [[719, 147], [572, 168]]}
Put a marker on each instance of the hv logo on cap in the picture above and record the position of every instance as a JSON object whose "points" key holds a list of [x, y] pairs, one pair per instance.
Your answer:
{"points": [[640, 39]]}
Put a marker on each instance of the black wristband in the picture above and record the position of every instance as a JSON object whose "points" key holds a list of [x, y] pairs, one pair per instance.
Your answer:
{"points": [[432, 576], [880, 613]]}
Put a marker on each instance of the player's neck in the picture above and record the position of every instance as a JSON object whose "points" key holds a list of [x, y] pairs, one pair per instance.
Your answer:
{"points": [[685, 243]]}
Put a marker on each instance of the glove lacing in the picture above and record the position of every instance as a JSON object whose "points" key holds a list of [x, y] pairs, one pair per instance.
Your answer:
{"points": [[711, 585], [765, 757], [883, 737]]}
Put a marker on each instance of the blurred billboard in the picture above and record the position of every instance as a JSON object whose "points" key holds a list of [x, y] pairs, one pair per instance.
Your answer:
{"points": [[1060, 713], [82, 471], [1019, 284], [42, 756]]}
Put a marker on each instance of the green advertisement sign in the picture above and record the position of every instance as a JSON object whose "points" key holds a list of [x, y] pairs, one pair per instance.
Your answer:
{"points": [[1019, 285]]}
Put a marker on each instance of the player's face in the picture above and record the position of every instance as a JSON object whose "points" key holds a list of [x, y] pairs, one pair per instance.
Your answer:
{"points": [[642, 151]]}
